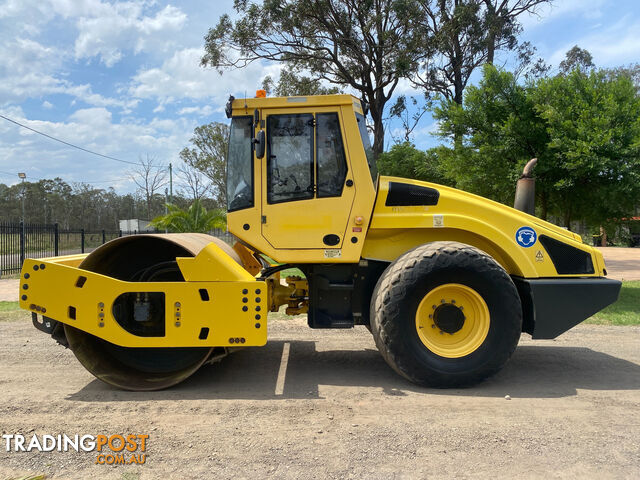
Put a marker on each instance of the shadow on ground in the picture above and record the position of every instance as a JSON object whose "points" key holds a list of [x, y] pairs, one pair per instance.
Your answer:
{"points": [[533, 372]]}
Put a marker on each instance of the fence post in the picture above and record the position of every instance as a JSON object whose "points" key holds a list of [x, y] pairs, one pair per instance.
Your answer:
{"points": [[119, 233], [104, 237], [56, 239], [82, 240], [22, 241]]}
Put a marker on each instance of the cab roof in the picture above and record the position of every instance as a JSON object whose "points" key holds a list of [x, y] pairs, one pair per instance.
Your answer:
{"points": [[245, 106]]}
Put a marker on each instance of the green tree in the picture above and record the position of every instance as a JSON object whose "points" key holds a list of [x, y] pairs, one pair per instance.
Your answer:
{"points": [[500, 131], [195, 219], [405, 160], [582, 126], [465, 35], [576, 58], [208, 155], [292, 84], [365, 45], [593, 122]]}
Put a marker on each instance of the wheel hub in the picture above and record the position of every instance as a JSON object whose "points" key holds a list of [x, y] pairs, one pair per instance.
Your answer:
{"points": [[452, 320], [448, 318]]}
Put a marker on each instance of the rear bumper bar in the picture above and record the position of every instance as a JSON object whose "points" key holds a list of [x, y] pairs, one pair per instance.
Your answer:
{"points": [[550, 307]]}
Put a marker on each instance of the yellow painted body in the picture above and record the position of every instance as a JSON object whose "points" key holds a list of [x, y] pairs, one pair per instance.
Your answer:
{"points": [[291, 232], [467, 218], [52, 290]]}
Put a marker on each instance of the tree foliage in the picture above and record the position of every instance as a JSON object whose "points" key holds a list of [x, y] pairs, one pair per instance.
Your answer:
{"points": [[501, 131], [582, 126], [409, 112], [208, 155], [593, 122], [576, 58], [193, 183], [366, 45], [406, 161], [195, 219], [79, 205], [292, 84], [462, 35]]}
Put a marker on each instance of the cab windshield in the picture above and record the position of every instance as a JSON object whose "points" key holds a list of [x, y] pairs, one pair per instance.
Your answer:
{"points": [[240, 165]]}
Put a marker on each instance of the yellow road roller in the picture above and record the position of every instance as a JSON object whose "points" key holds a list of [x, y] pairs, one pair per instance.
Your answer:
{"points": [[446, 281]]}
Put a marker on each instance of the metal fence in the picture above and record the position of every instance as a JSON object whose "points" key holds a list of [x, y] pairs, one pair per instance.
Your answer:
{"points": [[24, 240]]}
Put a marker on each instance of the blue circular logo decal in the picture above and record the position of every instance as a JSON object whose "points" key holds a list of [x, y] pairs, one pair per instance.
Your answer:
{"points": [[526, 237]]}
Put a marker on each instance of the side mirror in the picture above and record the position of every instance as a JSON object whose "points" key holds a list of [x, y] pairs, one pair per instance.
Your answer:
{"points": [[228, 109], [259, 143]]}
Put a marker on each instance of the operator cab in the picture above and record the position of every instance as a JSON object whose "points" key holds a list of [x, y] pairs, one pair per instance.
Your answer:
{"points": [[296, 169]]}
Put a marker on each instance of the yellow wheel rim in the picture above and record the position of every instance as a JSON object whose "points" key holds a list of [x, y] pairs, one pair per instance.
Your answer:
{"points": [[452, 320]]}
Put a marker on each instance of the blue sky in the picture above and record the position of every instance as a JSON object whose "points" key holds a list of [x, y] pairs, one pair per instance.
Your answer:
{"points": [[123, 78]]}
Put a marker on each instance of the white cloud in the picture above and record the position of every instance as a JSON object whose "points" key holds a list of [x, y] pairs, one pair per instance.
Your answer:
{"points": [[104, 29], [30, 69], [181, 76], [47, 105], [124, 26], [613, 46], [587, 9], [203, 111], [94, 129]]}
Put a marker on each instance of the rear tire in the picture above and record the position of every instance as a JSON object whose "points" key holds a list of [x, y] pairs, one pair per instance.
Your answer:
{"points": [[446, 314]]}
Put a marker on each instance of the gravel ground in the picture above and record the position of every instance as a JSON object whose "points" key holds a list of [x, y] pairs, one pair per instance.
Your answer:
{"points": [[342, 413], [622, 263]]}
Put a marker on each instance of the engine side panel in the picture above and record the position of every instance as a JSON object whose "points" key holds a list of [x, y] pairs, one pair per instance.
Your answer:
{"points": [[508, 235]]}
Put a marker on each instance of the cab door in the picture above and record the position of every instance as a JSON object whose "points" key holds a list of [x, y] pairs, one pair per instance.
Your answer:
{"points": [[308, 191]]}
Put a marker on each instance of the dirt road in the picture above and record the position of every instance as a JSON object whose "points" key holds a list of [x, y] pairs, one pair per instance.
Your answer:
{"points": [[622, 263], [336, 411]]}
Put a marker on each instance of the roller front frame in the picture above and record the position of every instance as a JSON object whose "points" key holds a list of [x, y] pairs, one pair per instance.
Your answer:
{"points": [[196, 313]]}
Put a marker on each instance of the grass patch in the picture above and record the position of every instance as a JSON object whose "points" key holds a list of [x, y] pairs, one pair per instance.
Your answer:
{"points": [[29, 477], [9, 306], [626, 311], [291, 272], [288, 272], [11, 312]]}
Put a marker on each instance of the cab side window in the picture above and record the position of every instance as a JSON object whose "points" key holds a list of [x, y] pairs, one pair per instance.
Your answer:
{"points": [[240, 165], [290, 157], [330, 156], [366, 143]]}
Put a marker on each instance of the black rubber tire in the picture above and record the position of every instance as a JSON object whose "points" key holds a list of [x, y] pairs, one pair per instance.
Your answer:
{"points": [[405, 283]]}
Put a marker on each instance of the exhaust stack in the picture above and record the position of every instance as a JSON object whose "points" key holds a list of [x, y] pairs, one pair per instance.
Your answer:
{"points": [[526, 189]]}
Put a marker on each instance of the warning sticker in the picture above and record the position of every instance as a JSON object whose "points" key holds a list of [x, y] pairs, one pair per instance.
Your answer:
{"points": [[539, 256], [332, 253], [526, 237], [438, 221]]}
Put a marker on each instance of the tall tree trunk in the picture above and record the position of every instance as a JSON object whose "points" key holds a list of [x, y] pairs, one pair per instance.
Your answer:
{"points": [[377, 110], [491, 34], [491, 47], [544, 206], [378, 138], [567, 218]]}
